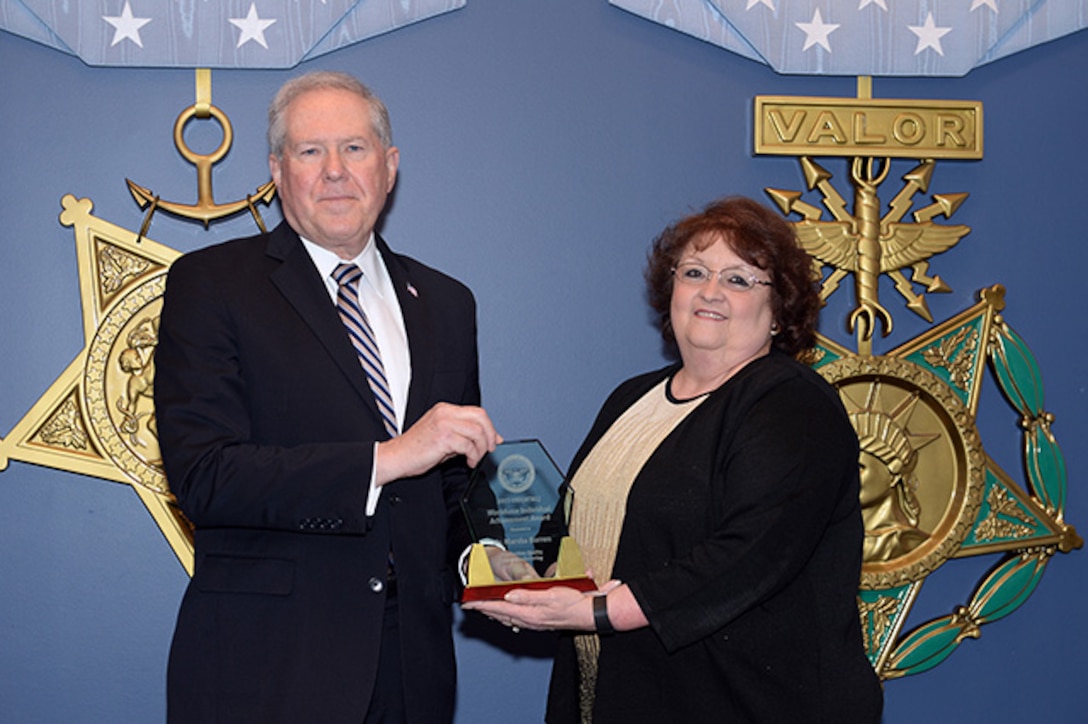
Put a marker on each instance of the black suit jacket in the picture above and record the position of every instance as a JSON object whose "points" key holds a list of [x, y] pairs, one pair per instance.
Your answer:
{"points": [[267, 427]]}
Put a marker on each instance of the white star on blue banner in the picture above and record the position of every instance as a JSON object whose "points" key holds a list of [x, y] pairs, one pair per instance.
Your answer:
{"points": [[869, 37], [217, 34], [828, 37]]}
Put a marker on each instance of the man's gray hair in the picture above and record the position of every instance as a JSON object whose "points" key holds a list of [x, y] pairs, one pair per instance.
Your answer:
{"points": [[318, 80]]}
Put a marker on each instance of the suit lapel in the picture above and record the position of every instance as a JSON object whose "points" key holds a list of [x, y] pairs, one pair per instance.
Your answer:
{"points": [[418, 327], [299, 282]]}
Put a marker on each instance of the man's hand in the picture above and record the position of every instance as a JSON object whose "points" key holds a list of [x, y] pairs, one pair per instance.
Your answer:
{"points": [[443, 432], [509, 566]]}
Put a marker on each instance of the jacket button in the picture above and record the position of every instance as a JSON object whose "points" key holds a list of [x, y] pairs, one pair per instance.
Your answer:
{"points": [[376, 584]]}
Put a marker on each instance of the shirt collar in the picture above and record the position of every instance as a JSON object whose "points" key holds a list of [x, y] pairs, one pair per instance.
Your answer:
{"points": [[369, 260]]}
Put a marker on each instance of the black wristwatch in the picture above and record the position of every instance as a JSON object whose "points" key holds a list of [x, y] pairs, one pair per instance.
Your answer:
{"points": [[600, 616]]}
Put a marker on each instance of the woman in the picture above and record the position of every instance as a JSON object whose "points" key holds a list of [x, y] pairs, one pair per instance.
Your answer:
{"points": [[718, 497]]}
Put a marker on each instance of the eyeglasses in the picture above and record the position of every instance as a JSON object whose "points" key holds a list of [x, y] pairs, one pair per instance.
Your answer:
{"points": [[735, 278]]}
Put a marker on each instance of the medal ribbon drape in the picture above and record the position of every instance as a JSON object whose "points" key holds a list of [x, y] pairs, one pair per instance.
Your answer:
{"points": [[348, 276]]}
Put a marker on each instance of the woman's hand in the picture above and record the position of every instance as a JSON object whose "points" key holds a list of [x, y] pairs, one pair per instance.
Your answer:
{"points": [[558, 607], [555, 608]]}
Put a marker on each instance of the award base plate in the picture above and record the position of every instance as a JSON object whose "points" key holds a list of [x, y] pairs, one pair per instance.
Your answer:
{"points": [[496, 591]]}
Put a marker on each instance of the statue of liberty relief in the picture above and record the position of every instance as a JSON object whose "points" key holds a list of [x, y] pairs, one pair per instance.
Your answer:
{"points": [[889, 499]]}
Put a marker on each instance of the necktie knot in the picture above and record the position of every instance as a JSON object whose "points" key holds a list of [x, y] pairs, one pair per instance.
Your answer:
{"points": [[347, 274]]}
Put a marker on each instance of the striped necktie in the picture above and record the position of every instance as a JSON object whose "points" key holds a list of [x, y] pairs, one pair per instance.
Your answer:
{"points": [[347, 276]]}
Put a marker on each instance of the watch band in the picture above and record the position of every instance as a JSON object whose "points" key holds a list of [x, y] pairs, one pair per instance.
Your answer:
{"points": [[600, 615]]}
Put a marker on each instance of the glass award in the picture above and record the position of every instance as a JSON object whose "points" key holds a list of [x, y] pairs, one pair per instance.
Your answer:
{"points": [[516, 505]]}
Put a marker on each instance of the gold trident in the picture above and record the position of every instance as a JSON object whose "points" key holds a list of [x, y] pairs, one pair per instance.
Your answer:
{"points": [[205, 209], [867, 272]]}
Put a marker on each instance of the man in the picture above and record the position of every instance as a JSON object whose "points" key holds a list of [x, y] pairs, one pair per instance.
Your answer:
{"points": [[323, 534]]}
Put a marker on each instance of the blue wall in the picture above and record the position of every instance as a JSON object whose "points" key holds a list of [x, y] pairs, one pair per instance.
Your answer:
{"points": [[543, 145]]}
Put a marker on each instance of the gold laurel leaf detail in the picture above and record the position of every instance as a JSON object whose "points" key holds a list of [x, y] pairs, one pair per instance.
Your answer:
{"points": [[64, 428]]}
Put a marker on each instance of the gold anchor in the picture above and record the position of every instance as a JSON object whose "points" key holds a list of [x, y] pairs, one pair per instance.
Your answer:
{"points": [[205, 209]]}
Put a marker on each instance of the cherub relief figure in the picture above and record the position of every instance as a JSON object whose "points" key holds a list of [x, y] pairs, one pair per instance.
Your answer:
{"points": [[137, 361]]}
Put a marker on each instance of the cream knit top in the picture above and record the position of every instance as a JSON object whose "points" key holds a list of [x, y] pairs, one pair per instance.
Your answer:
{"points": [[600, 490]]}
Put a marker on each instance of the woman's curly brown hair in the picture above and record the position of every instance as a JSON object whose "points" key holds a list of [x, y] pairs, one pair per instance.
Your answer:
{"points": [[763, 239]]}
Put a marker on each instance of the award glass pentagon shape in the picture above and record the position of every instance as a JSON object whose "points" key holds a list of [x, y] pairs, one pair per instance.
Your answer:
{"points": [[517, 506]]}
